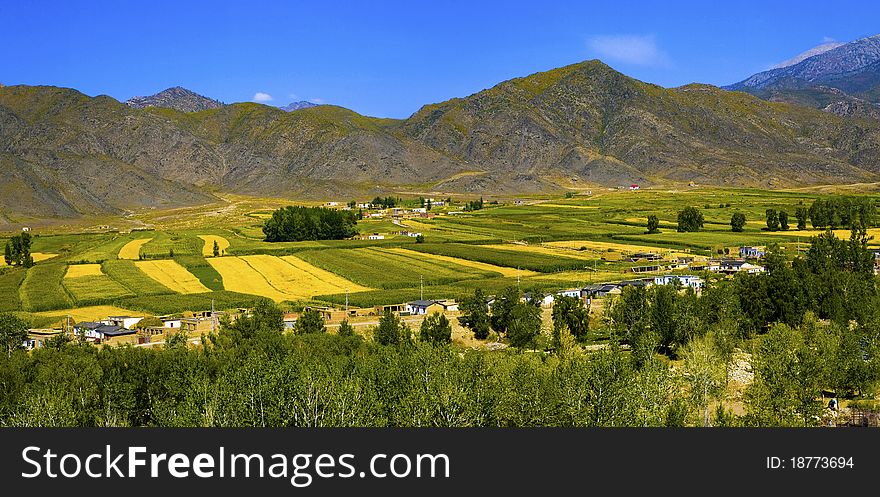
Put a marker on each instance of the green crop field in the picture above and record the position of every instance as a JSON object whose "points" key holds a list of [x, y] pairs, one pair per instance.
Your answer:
{"points": [[94, 290], [129, 276], [199, 267], [162, 304], [500, 257], [10, 281], [42, 290], [378, 268]]}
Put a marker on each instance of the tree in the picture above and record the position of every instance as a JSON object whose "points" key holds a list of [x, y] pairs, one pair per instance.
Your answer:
{"points": [[391, 330], [524, 324], [737, 222], [420, 238], [296, 223], [571, 314], [13, 332], [705, 373], [801, 213], [653, 224], [345, 329], [783, 220], [503, 306], [216, 249], [772, 219], [18, 251], [474, 314], [310, 321], [436, 329], [690, 219]]}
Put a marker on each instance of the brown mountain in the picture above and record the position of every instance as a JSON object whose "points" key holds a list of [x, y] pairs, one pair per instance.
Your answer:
{"points": [[67, 154], [177, 98]]}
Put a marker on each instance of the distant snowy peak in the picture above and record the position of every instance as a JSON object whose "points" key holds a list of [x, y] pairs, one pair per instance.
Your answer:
{"points": [[831, 45]]}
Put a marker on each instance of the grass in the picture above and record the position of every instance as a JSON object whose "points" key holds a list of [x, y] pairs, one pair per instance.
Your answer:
{"points": [[42, 290], [172, 275], [127, 274], [208, 248]]}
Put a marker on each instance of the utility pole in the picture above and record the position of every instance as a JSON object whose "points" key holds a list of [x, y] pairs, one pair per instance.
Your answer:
{"points": [[346, 300], [213, 319], [517, 277], [421, 289]]}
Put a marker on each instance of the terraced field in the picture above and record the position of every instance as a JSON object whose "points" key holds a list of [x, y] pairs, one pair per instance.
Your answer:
{"points": [[208, 249], [132, 249], [172, 275]]}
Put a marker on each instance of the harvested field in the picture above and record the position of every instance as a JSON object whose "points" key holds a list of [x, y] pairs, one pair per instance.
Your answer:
{"points": [[172, 275], [132, 249]]}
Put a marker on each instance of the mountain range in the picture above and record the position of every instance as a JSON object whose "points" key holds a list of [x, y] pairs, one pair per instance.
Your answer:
{"points": [[302, 104], [842, 78], [65, 154]]}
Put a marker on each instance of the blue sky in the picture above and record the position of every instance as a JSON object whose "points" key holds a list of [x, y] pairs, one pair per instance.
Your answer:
{"points": [[387, 58]]}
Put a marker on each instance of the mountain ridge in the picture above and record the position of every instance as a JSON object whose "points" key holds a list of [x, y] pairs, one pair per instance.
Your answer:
{"points": [[579, 125], [177, 98]]}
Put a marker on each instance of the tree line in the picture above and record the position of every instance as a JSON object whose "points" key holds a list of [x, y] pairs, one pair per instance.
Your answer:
{"points": [[296, 223]]}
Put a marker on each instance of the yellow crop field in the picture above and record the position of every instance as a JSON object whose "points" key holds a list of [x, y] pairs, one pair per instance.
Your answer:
{"points": [[208, 248], [842, 234], [620, 247], [322, 281], [91, 313], [77, 270], [172, 275], [38, 256], [132, 249], [505, 271], [279, 278], [409, 223]]}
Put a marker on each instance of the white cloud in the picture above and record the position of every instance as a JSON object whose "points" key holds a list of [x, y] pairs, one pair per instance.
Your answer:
{"points": [[262, 97], [641, 50], [319, 101], [827, 39]]}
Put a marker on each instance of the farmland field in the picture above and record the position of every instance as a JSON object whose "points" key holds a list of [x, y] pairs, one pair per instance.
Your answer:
{"points": [[545, 242], [132, 249], [131, 277], [208, 248], [502, 270], [93, 290], [172, 275], [42, 290], [277, 278], [80, 270], [382, 268]]}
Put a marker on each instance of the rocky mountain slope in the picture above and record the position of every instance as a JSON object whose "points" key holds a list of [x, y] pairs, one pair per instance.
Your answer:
{"points": [[66, 154], [844, 80], [177, 98]]}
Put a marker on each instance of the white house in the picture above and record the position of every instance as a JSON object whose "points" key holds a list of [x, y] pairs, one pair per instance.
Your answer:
{"points": [[685, 280], [365, 205], [376, 237], [420, 210], [127, 322], [752, 252], [377, 214]]}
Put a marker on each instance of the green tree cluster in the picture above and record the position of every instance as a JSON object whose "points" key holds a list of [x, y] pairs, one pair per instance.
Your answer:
{"points": [[295, 223]]}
